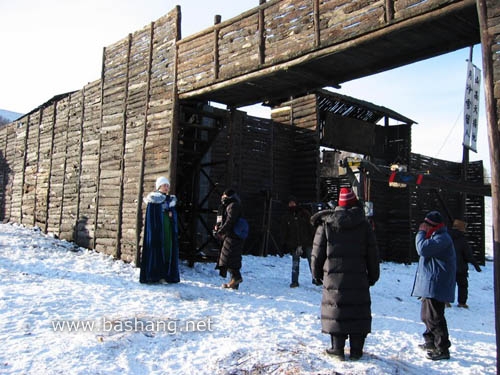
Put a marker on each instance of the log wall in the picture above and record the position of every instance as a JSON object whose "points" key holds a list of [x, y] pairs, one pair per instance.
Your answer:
{"points": [[266, 160], [79, 165]]}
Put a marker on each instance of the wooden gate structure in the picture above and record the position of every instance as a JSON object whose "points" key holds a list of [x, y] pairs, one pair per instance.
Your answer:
{"points": [[79, 164]]}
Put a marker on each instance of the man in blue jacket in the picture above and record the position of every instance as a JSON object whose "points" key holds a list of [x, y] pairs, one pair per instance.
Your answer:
{"points": [[435, 283]]}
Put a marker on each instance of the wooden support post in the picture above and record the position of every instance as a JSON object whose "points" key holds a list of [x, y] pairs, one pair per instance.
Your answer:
{"points": [[25, 157], [37, 163], [79, 180], [99, 147], [317, 26], [262, 34], [64, 182], [4, 170], [118, 250], [492, 104], [140, 187], [174, 138], [217, 21], [8, 211], [47, 200], [230, 148], [389, 11]]}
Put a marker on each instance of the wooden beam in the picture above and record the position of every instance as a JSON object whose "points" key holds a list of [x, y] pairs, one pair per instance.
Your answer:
{"points": [[64, 181], [174, 138], [492, 106], [80, 157], [54, 114], [140, 187], [25, 156], [118, 251], [262, 35], [317, 28], [217, 21], [389, 11], [37, 163], [99, 147]]}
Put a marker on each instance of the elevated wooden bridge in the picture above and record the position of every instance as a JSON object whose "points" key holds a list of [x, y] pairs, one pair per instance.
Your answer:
{"points": [[283, 48]]}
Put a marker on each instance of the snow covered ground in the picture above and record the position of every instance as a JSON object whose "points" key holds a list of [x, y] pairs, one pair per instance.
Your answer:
{"points": [[74, 311]]}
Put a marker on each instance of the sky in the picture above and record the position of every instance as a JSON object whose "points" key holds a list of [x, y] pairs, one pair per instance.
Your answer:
{"points": [[68, 310], [52, 47]]}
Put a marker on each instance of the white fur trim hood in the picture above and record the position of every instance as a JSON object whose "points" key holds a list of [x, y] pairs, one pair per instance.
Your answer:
{"points": [[157, 197]]}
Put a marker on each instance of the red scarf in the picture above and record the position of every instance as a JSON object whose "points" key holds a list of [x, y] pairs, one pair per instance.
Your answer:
{"points": [[429, 233]]}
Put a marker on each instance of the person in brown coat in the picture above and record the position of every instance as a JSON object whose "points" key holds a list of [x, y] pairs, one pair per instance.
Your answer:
{"points": [[230, 254], [345, 258]]}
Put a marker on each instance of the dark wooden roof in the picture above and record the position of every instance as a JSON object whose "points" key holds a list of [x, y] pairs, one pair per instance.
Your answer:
{"points": [[347, 106]]}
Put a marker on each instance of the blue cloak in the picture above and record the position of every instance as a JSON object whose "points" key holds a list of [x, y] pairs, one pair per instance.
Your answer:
{"points": [[160, 251]]}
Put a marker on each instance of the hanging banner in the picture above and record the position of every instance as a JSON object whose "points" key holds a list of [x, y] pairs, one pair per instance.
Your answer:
{"points": [[471, 106]]}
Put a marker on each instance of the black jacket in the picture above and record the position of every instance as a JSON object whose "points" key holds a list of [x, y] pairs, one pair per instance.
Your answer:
{"points": [[345, 257], [296, 229], [463, 251]]}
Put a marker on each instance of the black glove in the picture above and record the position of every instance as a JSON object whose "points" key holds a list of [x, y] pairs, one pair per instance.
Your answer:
{"points": [[317, 282], [478, 269]]}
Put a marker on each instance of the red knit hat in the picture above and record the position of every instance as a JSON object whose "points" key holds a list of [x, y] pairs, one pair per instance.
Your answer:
{"points": [[347, 198]]}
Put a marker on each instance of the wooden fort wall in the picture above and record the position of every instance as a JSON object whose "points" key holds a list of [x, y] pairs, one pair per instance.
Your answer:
{"points": [[266, 161], [79, 165]]}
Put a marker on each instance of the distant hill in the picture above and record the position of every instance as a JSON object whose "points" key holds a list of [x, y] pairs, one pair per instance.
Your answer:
{"points": [[9, 115]]}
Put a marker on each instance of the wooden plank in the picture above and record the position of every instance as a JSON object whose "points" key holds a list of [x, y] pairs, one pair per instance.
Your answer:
{"points": [[58, 165]]}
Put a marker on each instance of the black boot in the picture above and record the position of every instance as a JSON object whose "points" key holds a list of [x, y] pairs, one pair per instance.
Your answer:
{"points": [[438, 354], [427, 346], [357, 343], [336, 353], [337, 349]]}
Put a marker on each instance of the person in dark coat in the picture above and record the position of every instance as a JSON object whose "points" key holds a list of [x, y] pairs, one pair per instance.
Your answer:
{"points": [[230, 254], [435, 283], [297, 236], [464, 257], [160, 251], [345, 258]]}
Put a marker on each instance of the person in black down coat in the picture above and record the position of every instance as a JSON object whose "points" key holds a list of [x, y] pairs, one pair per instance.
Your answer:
{"points": [[345, 259], [230, 253], [464, 257]]}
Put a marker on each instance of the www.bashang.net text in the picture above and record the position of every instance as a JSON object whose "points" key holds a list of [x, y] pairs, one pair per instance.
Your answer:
{"points": [[135, 324]]}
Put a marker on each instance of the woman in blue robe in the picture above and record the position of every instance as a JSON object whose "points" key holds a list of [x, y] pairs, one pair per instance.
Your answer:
{"points": [[160, 251]]}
